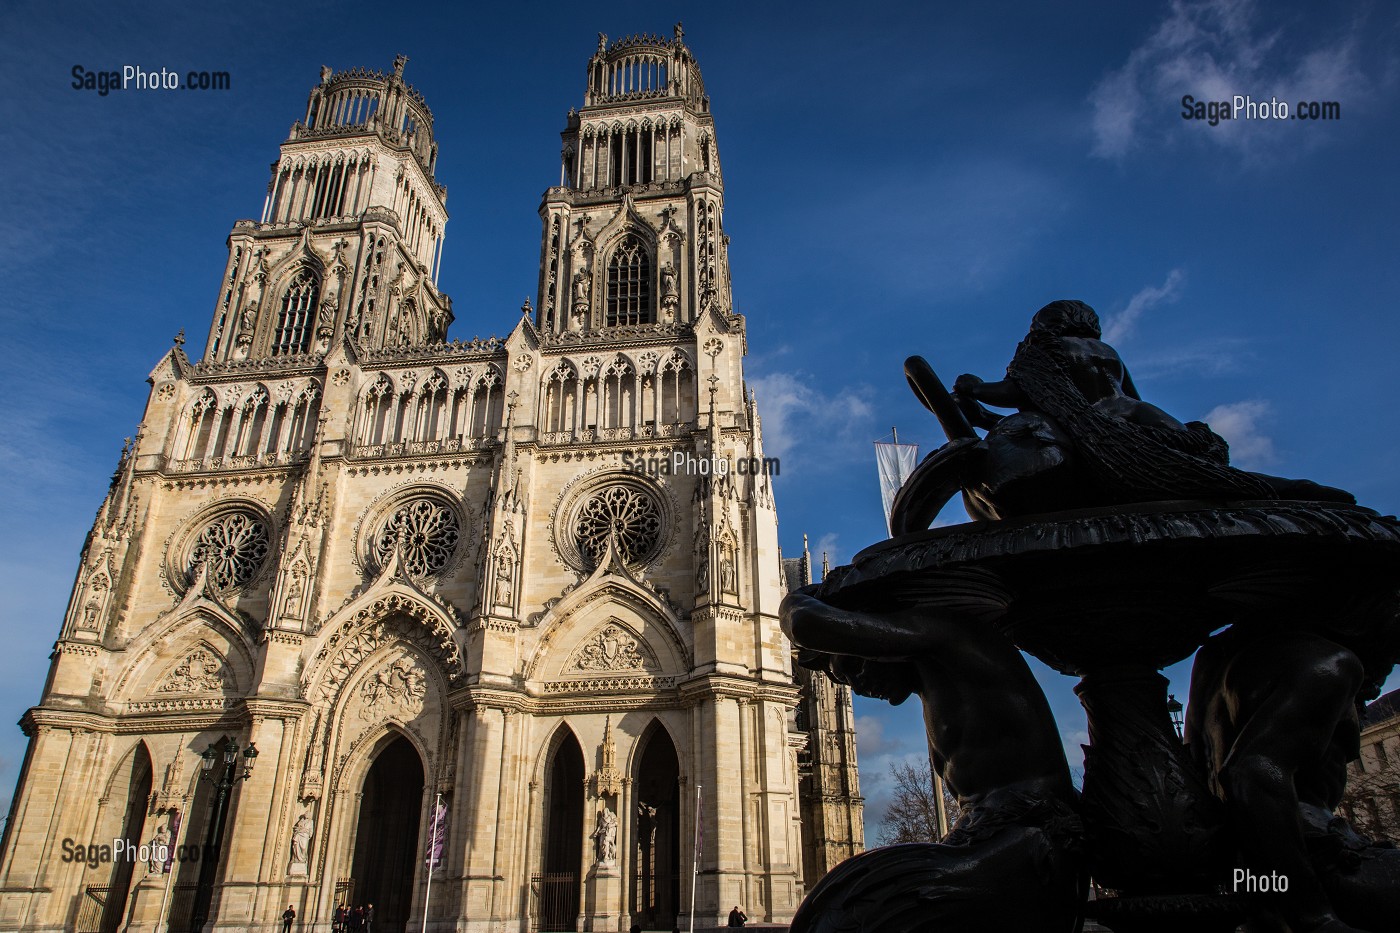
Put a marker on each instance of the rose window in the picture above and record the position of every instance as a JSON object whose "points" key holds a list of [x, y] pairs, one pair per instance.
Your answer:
{"points": [[232, 548], [430, 532], [626, 514]]}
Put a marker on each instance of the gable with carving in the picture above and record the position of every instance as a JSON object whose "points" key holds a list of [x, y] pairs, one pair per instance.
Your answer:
{"points": [[203, 670], [612, 648]]}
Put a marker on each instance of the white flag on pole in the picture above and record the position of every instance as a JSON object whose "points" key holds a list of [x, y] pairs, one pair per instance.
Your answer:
{"points": [[895, 462]]}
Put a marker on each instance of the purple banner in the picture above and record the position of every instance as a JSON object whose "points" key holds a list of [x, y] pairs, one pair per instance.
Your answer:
{"points": [[437, 834], [174, 838]]}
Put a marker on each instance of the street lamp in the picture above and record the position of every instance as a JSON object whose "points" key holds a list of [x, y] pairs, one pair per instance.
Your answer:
{"points": [[1174, 710], [223, 780]]}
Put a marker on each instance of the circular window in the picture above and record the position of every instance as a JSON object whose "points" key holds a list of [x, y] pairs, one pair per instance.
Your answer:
{"points": [[232, 548], [627, 515], [623, 509], [430, 531]]}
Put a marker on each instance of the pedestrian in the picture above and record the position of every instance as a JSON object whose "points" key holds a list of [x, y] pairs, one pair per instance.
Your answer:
{"points": [[737, 917], [288, 916], [338, 923], [357, 919], [369, 917]]}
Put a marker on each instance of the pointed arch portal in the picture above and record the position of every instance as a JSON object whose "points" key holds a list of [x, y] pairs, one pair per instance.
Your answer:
{"points": [[557, 905], [656, 860], [130, 791], [386, 834]]}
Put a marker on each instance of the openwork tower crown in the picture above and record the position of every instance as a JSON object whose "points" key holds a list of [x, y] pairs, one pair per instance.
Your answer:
{"points": [[644, 66], [360, 101]]}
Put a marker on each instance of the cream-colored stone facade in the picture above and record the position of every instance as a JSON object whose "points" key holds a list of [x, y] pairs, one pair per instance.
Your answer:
{"points": [[412, 570]]}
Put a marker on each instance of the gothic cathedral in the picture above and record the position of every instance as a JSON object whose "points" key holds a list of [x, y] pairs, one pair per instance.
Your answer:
{"points": [[361, 597]]}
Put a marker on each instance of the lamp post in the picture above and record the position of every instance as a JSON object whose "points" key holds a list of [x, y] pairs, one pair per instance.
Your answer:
{"points": [[223, 780], [1174, 710]]}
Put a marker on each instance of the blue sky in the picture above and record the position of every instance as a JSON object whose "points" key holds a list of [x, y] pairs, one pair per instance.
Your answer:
{"points": [[899, 178]]}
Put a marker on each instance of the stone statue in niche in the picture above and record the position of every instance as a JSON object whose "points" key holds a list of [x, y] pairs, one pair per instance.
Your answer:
{"points": [[505, 578], [646, 816], [582, 289], [1135, 544], [160, 850], [301, 843], [670, 294], [727, 582], [291, 606], [702, 574], [97, 590], [249, 317], [605, 838]]}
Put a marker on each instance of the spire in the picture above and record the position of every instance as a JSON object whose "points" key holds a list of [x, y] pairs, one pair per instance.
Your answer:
{"points": [[113, 515]]}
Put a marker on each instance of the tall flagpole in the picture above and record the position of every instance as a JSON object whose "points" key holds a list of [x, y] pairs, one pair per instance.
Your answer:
{"points": [[432, 857], [173, 863], [695, 873]]}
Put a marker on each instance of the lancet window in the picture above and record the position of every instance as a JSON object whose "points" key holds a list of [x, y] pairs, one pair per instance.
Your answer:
{"points": [[629, 284], [297, 317]]}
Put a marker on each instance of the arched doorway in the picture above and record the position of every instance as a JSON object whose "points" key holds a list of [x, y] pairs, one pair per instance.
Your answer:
{"points": [[556, 893], [386, 835], [103, 907], [205, 826], [656, 866]]}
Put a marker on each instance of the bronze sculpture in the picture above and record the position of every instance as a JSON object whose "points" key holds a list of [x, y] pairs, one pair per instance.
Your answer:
{"points": [[1111, 540]]}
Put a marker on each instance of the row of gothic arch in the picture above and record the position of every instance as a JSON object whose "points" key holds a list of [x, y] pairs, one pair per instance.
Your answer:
{"points": [[260, 423], [619, 393], [469, 405]]}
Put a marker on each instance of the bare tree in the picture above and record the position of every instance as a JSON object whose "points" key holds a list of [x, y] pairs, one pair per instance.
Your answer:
{"points": [[912, 815], [1371, 802]]}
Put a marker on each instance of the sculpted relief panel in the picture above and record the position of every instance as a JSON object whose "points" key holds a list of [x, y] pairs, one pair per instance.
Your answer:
{"points": [[396, 688], [611, 649], [202, 671]]}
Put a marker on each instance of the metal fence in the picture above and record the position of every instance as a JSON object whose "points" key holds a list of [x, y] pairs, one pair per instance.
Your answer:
{"points": [[92, 911], [554, 902]]}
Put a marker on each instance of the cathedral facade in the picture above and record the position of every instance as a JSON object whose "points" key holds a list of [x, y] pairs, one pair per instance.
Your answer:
{"points": [[484, 631]]}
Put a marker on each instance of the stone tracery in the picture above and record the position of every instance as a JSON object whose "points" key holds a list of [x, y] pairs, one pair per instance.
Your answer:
{"points": [[429, 530], [232, 547], [624, 514]]}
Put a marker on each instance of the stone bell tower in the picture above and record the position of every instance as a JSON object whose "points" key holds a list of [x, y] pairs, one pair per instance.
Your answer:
{"points": [[644, 143], [358, 222]]}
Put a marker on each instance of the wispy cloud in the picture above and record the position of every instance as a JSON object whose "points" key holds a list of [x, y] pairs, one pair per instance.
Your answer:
{"points": [[1121, 325], [1217, 357], [799, 419], [1240, 423], [1213, 50], [1073, 742], [828, 544]]}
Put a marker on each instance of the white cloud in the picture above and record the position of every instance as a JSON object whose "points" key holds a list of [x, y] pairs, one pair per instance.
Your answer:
{"points": [[796, 416], [1220, 356], [828, 544], [1239, 423], [1213, 50], [1073, 741], [1121, 325]]}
